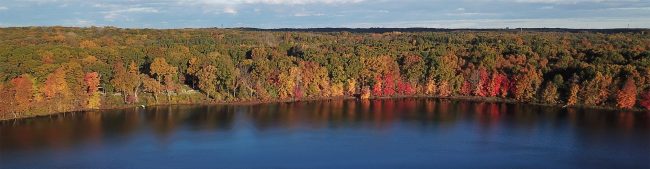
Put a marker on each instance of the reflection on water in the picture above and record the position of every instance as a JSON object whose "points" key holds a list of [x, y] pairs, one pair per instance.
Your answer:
{"points": [[491, 123]]}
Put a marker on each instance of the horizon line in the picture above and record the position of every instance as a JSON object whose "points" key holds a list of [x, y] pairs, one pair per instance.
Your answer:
{"points": [[307, 28]]}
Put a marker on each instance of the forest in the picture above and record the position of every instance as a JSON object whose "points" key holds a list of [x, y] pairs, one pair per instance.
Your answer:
{"points": [[46, 70]]}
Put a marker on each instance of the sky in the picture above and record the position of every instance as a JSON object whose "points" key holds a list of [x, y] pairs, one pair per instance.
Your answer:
{"points": [[327, 13]]}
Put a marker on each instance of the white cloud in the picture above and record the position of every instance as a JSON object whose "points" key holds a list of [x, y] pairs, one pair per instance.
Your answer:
{"points": [[122, 13], [630, 8], [569, 1], [547, 7], [278, 2], [233, 6], [470, 14], [275, 13], [229, 10], [303, 14], [589, 23], [45, 1], [141, 10], [83, 22]]}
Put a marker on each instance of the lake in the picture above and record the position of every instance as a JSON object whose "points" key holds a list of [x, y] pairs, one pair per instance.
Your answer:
{"points": [[391, 133]]}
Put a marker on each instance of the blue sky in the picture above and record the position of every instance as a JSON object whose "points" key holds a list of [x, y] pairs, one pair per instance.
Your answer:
{"points": [[327, 13]]}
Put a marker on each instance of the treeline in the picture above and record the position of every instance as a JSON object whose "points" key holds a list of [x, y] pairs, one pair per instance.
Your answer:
{"points": [[55, 69], [417, 29]]}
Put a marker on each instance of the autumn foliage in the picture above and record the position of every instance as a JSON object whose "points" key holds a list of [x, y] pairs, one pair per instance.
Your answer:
{"points": [[573, 94], [480, 82], [377, 87], [22, 89], [645, 100], [444, 89], [389, 85], [55, 84], [626, 97], [497, 81], [466, 89], [404, 88], [68, 69], [92, 82]]}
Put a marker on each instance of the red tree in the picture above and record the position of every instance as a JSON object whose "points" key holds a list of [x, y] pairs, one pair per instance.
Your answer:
{"points": [[494, 86], [466, 88], [505, 86], [645, 100], [482, 83], [626, 97], [92, 81], [376, 89], [389, 85], [297, 92], [22, 86], [404, 88]]}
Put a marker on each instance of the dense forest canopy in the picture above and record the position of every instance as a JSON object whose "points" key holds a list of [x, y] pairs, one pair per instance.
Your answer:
{"points": [[54, 69]]}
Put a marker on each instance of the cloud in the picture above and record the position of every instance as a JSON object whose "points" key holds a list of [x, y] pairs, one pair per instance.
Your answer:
{"points": [[556, 1], [571, 1], [275, 2], [233, 6], [598, 23], [45, 1], [630, 8], [229, 10], [470, 14], [305, 14], [122, 13], [81, 22], [325, 13], [547, 7]]}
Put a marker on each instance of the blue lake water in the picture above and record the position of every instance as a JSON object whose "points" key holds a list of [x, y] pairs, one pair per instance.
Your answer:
{"points": [[392, 133]]}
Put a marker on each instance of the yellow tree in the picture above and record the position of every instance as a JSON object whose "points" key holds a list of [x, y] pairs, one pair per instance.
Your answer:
{"points": [[193, 68], [126, 82], [444, 90], [550, 94], [527, 84], [207, 77], [431, 87], [152, 86], [596, 90], [336, 89], [55, 85], [365, 92], [351, 86], [119, 80], [573, 95], [288, 82], [134, 81], [164, 73]]}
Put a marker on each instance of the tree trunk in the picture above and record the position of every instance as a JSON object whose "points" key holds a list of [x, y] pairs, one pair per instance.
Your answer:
{"points": [[168, 98], [124, 96], [135, 94]]}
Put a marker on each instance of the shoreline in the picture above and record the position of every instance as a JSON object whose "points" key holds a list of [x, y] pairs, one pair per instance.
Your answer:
{"points": [[257, 102]]}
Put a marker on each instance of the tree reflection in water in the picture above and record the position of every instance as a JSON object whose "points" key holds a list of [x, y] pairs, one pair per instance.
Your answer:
{"points": [[491, 126]]}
